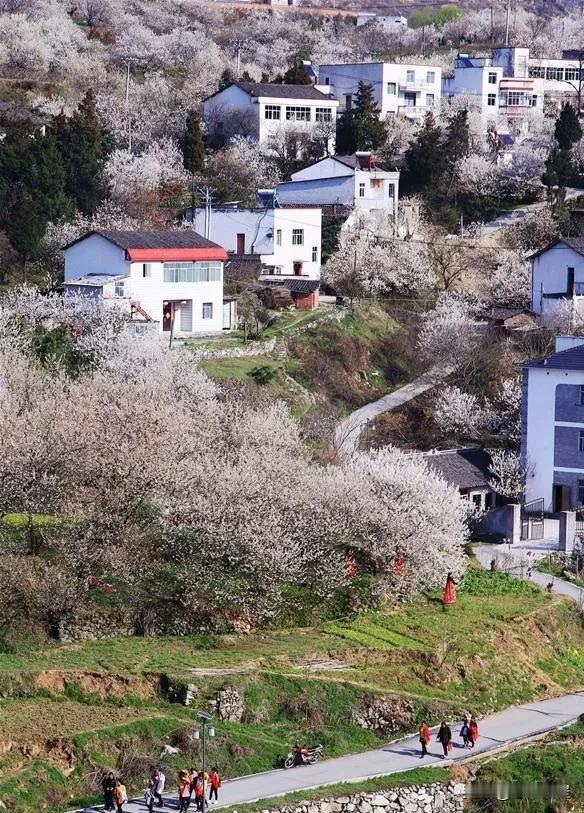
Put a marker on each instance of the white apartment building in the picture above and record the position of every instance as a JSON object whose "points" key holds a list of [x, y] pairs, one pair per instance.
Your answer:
{"points": [[557, 275], [409, 90], [259, 110], [352, 181], [172, 278], [287, 240]]}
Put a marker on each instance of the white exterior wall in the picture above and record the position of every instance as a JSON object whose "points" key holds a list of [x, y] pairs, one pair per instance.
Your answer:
{"points": [[549, 272], [377, 187], [344, 79], [231, 112], [475, 82], [261, 227], [541, 424], [95, 255], [268, 127], [327, 168]]}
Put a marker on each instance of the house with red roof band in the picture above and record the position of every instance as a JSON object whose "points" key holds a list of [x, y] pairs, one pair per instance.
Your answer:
{"points": [[169, 279]]}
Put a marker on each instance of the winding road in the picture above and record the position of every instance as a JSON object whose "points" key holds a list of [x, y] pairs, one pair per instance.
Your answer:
{"points": [[496, 731]]}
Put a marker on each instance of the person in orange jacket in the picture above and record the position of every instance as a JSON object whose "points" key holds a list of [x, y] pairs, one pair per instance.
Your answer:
{"points": [[215, 783], [425, 737]]}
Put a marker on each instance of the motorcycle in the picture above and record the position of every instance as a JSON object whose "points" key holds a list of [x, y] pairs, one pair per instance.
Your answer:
{"points": [[305, 756]]}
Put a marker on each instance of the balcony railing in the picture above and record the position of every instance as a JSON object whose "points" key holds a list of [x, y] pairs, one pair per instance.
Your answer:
{"points": [[417, 85], [414, 111]]}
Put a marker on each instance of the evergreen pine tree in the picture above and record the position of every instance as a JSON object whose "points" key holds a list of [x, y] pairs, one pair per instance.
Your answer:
{"points": [[81, 143], [297, 75], [346, 138], [193, 148], [558, 168], [246, 77], [568, 129], [457, 141], [370, 131], [424, 159], [227, 78], [46, 178], [25, 225]]}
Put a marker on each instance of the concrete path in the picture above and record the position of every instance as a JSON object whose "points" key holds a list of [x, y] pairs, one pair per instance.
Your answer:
{"points": [[517, 215], [496, 731], [349, 431], [515, 559]]}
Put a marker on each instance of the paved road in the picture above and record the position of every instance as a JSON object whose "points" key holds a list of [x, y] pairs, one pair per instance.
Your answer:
{"points": [[507, 726], [349, 431], [517, 215], [518, 559]]}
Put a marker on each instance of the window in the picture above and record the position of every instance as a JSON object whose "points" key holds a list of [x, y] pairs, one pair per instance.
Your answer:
{"points": [[297, 113], [491, 100], [297, 268], [492, 79], [429, 100], [207, 310], [192, 272], [477, 500], [410, 76], [516, 99], [146, 270], [581, 441], [390, 190], [119, 288], [582, 394], [324, 114], [273, 111], [314, 254], [297, 237], [536, 72], [327, 80], [361, 190], [571, 74], [580, 493], [278, 237], [534, 101], [430, 77], [554, 73], [392, 88]]}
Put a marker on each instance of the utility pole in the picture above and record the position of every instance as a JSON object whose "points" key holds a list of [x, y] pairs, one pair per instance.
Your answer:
{"points": [[202, 731], [492, 26], [238, 46], [208, 198], [128, 66], [507, 17]]}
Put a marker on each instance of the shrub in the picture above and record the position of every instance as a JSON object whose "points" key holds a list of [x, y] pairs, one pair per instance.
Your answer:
{"points": [[263, 373]]}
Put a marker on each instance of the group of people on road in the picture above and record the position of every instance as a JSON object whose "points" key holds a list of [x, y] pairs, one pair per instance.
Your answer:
{"points": [[192, 785], [469, 733], [114, 793]]}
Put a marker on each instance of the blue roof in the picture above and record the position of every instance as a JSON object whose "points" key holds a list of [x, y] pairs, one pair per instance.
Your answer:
{"points": [[570, 359]]}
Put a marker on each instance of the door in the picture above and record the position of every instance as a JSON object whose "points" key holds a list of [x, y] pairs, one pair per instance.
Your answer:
{"points": [[410, 99], [240, 244], [167, 315], [186, 316], [227, 316], [562, 498]]}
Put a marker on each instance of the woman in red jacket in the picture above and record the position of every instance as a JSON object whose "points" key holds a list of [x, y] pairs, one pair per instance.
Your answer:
{"points": [[215, 782]]}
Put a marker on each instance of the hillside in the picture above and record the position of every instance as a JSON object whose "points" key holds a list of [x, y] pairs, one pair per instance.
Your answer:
{"points": [[68, 712]]}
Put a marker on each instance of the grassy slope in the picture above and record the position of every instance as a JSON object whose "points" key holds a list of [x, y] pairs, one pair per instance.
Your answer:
{"points": [[504, 642]]}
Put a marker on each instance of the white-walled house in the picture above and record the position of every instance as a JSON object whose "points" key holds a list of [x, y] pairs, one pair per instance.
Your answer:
{"points": [[286, 239], [346, 180], [552, 426], [557, 275], [387, 22], [257, 110], [172, 278], [410, 90]]}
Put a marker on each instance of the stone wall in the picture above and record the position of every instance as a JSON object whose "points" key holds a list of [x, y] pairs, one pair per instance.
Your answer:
{"points": [[412, 799]]}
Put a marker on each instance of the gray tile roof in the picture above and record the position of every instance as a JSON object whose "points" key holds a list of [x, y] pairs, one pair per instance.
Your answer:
{"points": [[152, 239], [243, 267], [570, 359], [463, 468], [576, 243], [258, 89], [296, 285]]}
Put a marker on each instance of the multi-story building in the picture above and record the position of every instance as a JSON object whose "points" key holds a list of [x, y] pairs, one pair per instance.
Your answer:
{"points": [[386, 21], [261, 110], [552, 427], [510, 83], [171, 278], [410, 90], [351, 181], [287, 240]]}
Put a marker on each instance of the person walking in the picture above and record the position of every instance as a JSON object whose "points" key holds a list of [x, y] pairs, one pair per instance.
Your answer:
{"points": [[473, 731], [149, 795], [449, 592], [215, 783], [199, 789], [121, 795], [109, 789], [425, 737], [445, 738], [159, 783], [465, 733], [184, 791]]}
